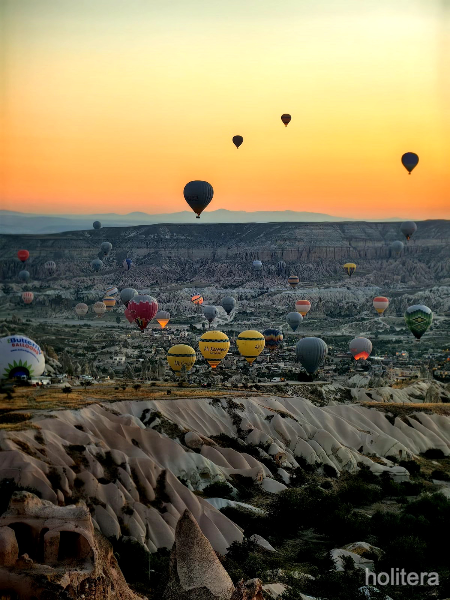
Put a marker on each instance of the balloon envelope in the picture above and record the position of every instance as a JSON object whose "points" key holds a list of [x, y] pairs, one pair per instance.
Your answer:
{"points": [[144, 308], [397, 247], [112, 291], [410, 160], [24, 276], [163, 317], [180, 356], [257, 265], [129, 316], [99, 308], [127, 264], [27, 297], [250, 344], [50, 267], [214, 346], [96, 264], [310, 352], [197, 299], [294, 319], [81, 309], [19, 356], [237, 140], [303, 307], [96, 225], [360, 347], [273, 339], [127, 294], [380, 304], [106, 248], [418, 318], [23, 255], [109, 302], [293, 281], [286, 119], [350, 268], [408, 228], [198, 194], [210, 313], [228, 303]]}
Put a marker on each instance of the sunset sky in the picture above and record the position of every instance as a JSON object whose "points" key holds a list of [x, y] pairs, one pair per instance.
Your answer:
{"points": [[114, 105]]}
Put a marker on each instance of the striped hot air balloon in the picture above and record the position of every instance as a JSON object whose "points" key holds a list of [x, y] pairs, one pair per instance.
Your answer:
{"points": [[303, 307], [180, 356], [81, 309], [293, 281], [349, 268], [273, 339], [380, 304], [197, 299], [27, 297], [214, 346], [112, 291], [109, 302], [99, 308], [250, 344]]}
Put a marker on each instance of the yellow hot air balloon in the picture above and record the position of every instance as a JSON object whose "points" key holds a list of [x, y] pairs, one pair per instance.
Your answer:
{"points": [[109, 302], [350, 268], [180, 355], [214, 346], [250, 344]]}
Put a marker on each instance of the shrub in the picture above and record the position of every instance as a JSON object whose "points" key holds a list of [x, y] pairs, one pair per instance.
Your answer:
{"points": [[440, 475], [434, 453], [218, 489]]}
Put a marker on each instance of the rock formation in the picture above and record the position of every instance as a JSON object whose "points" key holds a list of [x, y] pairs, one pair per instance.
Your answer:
{"points": [[54, 552]]}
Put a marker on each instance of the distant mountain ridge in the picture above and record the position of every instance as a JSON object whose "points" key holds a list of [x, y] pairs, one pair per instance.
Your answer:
{"points": [[23, 223]]}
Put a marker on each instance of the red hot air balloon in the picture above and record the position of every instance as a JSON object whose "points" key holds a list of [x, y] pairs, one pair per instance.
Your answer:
{"points": [[144, 308], [129, 316], [27, 297], [23, 255]]}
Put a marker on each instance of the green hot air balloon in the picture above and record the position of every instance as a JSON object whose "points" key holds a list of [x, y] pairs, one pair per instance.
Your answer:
{"points": [[418, 318]]}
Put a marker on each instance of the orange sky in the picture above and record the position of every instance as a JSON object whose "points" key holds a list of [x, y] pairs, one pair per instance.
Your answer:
{"points": [[113, 106]]}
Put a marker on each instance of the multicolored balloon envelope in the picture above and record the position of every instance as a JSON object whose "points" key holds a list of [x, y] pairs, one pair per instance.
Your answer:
{"points": [[214, 346], [310, 352], [198, 194], [27, 297], [273, 339], [109, 302], [144, 308], [180, 356], [380, 304], [294, 319], [163, 317], [418, 318], [20, 356], [293, 281], [360, 347], [303, 307], [250, 344], [410, 160], [349, 268], [197, 299], [81, 309], [111, 291]]}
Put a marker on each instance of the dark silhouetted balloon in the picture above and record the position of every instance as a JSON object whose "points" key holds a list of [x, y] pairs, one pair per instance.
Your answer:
{"points": [[286, 119], [310, 353], [228, 303], [24, 276], [97, 264], [294, 319], [96, 225], [210, 313], [237, 140], [397, 247], [106, 248], [410, 160], [198, 194]]}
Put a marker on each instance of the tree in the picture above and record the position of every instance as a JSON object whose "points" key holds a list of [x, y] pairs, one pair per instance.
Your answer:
{"points": [[137, 387], [129, 373], [67, 390]]}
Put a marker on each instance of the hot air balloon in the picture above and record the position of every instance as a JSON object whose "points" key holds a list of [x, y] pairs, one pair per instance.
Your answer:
{"points": [[286, 119], [303, 307], [408, 228], [24, 276], [310, 352], [410, 160], [210, 313], [96, 264], [129, 316], [163, 317], [228, 304], [112, 291], [197, 299], [250, 344], [281, 267], [380, 304], [127, 264], [396, 247], [350, 268], [81, 309], [109, 302], [360, 347], [418, 318], [106, 248], [144, 308], [257, 265], [180, 356], [237, 140], [293, 281], [20, 356], [99, 308], [272, 338], [214, 346], [198, 194], [27, 297], [294, 319], [96, 225], [127, 294], [50, 267], [23, 255]]}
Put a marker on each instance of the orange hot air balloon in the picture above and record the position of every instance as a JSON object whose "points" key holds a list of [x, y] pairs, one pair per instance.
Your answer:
{"points": [[27, 297], [380, 304], [286, 119], [197, 299], [163, 317], [23, 255], [303, 307]]}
